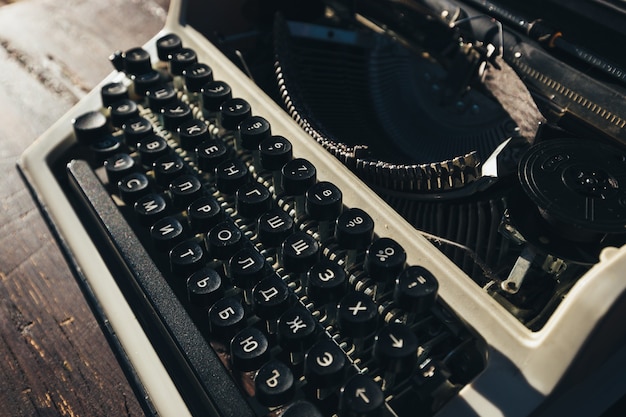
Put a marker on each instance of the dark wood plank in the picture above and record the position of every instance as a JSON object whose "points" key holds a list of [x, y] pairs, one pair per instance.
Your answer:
{"points": [[54, 358]]}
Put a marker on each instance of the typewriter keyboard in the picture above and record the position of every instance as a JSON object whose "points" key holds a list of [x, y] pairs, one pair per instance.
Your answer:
{"points": [[261, 289]]}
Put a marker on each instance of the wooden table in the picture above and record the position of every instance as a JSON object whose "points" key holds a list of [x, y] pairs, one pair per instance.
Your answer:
{"points": [[54, 358]]}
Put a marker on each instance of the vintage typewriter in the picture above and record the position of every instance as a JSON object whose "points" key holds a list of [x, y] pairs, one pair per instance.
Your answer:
{"points": [[355, 207]]}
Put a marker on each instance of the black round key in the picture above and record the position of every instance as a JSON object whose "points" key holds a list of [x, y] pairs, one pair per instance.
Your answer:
{"points": [[113, 92], [148, 81], [118, 166], [361, 397], [133, 186], [223, 240], [167, 233], [384, 259], [354, 229], [137, 61], [297, 329], [274, 226], [325, 364], [191, 133], [326, 282], [252, 131], [249, 349], [271, 297], [152, 148], [416, 289], [185, 189], [298, 175], [299, 251], [150, 208], [196, 76], [274, 384], [230, 175], [167, 168], [357, 315], [323, 201], [301, 408], [395, 348], [136, 129], [186, 257], [204, 287], [211, 153], [161, 96], [214, 93], [226, 318], [123, 110], [253, 199], [204, 213], [234, 111], [181, 60], [174, 114], [168, 45], [275, 152], [90, 127], [106, 147], [247, 267]]}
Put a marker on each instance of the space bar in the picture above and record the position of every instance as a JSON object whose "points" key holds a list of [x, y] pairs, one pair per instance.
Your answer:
{"points": [[213, 389]]}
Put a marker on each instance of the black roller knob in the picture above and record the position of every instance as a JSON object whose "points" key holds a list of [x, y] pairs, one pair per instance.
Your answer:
{"points": [[253, 199], [123, 110], [181, 60], [249, 349], [112, 92], [274, 384], [90, 127], [204, 287], [252, 131], [224, 240], [197, 76], [214, 93], [226, 318], [204, 213], [168, 45], [361, 397], [192, 133], [137, 61], [275, 152], [416, 290], [233, 112], [357, 315]]}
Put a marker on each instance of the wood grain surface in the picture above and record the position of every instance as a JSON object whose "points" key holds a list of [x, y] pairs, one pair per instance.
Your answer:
{"points": [[54, 358]]}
